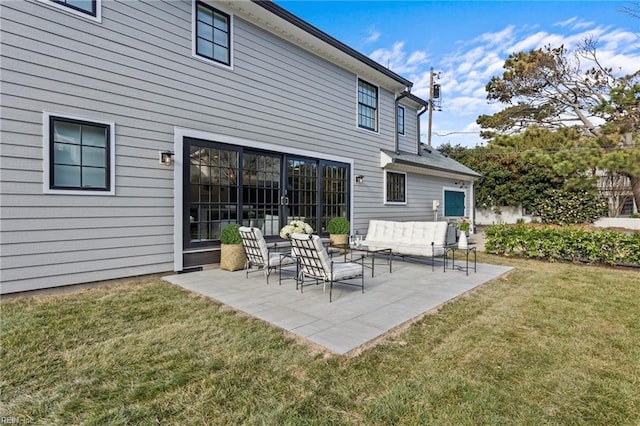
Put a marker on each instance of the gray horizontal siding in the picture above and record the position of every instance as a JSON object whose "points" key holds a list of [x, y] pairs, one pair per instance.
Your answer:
{"points": [[136, 69]]}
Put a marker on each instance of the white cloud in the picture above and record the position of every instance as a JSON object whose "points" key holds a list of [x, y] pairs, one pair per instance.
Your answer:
{"points": [[398, 60], [497, 38], [373, 36], [566, 23], [467, 69]]}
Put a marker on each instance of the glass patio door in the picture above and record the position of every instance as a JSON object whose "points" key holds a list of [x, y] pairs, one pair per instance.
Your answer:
{"points": [[225, 184], [300, 199], [261, 185]]}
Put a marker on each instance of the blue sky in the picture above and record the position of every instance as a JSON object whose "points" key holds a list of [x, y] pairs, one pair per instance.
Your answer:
{"points": [[468, 42]]}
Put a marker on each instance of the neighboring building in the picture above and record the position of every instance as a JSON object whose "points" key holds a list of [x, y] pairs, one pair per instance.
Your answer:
{"points": [[617, 190], [259, 116]]}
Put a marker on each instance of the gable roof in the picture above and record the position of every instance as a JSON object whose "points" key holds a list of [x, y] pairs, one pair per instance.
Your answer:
{"points": [[431, 161]]}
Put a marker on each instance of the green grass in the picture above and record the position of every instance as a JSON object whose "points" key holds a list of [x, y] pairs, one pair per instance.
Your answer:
{"points": [[546, 344]]}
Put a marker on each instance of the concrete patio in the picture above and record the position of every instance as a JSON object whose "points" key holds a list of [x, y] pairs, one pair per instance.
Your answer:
{"points": [[352, 319]]}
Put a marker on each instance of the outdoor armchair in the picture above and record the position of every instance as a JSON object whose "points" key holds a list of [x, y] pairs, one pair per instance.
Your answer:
{"points": [[314, 262], [260, 255]]}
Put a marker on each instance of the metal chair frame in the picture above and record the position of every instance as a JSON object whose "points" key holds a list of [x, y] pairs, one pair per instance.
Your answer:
{"points": [[314, 262], [262, 256]]}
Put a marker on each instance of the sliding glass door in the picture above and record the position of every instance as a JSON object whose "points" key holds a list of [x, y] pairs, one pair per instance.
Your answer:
{"points": [[230, 184], [261, 191], [301, 196]]}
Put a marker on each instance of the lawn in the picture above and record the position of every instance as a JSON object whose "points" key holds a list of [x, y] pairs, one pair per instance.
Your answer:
{"points": [[549, 343]]}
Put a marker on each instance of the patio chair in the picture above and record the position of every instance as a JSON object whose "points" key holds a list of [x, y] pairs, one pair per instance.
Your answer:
{"points": [[314, 262], [260, 255]]}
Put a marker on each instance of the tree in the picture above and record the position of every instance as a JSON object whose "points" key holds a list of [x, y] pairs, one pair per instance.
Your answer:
{"points": [[550, 88], [531, 168]]}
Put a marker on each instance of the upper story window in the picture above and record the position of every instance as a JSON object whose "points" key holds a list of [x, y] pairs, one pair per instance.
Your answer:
{"points": [[395, 188], [400, 120], [79, 155], [85, 8], [213, 34], [367, 106]]}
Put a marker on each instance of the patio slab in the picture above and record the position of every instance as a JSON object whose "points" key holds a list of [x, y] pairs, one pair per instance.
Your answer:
{"points": [[352, 319]]}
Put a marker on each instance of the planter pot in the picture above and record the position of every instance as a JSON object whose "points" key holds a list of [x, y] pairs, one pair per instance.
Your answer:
{"points": [[232, 257], [462, 241], [339, 239]]}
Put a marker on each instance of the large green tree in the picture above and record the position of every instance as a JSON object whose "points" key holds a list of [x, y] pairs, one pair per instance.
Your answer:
{"points": [[531, 168], [551, 88]]}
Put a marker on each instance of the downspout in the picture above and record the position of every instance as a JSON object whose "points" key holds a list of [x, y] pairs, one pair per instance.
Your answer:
{"points": [[396, 139], [425, 109], [472, 196]]}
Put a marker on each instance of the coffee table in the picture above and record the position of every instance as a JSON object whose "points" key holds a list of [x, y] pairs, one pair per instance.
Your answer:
{"points": [[349, 249]]}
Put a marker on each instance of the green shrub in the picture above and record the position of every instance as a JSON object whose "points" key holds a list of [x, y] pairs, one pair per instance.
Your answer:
{"points": [[563, 207], [338, 225], [230, 234], [564, 243]]}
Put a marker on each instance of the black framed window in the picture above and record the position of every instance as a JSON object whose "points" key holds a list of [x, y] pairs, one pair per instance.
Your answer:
{"points": [[367, 105], [88, 7], [213, 34], [400, 120], [79, 155], [396, 187]]}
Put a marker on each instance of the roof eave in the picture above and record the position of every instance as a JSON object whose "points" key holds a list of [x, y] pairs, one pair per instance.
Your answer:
{"points": [[328, 42]]}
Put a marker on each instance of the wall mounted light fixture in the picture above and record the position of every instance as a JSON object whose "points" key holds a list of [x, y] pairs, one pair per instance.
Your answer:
{"points": [[359, 179], [166, 157]]}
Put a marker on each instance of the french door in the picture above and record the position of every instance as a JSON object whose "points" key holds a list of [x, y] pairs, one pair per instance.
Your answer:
{"points": [[229, 184], [316, 191]]}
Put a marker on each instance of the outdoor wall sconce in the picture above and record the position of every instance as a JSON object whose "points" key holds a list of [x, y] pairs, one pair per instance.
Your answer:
{"points": [[460, 184], [359, 179], [165, 157]]}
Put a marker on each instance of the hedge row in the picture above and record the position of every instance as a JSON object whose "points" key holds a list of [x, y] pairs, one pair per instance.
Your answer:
{"points": [[564, 243]]}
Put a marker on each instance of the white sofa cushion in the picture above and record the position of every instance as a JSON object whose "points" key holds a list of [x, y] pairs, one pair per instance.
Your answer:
{"points": [[420, 238]]}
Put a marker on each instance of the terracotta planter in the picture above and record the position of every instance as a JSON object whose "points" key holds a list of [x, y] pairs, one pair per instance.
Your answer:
{"points": [[232, 257]]}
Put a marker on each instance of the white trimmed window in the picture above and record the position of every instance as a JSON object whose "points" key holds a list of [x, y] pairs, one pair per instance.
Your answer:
{"points": [[367, 106], [395, 185], [79, 155], [91, 9], [212, 34]]}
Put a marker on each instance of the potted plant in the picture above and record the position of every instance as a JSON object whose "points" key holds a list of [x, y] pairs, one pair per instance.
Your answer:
{"points": [[463, 226], [295, 227], [232, 256], [339, 228]]}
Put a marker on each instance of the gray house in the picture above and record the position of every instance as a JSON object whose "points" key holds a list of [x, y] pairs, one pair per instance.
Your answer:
{"points": [[132, 132]]}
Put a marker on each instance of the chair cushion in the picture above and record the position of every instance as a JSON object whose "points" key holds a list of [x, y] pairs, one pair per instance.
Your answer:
{"points": [[407, 237], [313, 255], [277, 259], [342, 271]]}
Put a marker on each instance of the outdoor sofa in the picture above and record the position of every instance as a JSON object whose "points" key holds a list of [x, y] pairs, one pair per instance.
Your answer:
{"points": [[424, 239]]}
